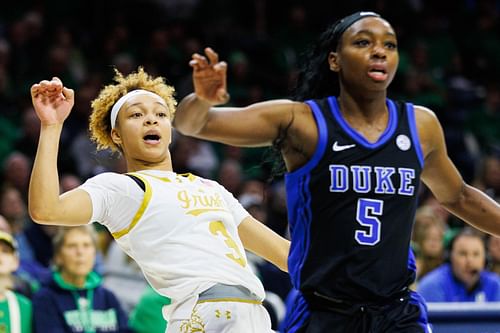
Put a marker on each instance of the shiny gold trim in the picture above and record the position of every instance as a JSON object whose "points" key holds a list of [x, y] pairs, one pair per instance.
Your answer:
{"points": [[145, 202]]}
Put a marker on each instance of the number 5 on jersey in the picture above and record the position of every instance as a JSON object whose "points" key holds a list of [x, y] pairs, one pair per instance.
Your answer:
{"points": [[216, 228], [366, 213]]}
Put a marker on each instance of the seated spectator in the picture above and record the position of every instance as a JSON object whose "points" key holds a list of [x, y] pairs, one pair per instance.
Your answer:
{"points": [[15, 309], [147, 315], [120, 272], [31, 247], [494, 254], [73, 300], [428, 242], [464, 278]]}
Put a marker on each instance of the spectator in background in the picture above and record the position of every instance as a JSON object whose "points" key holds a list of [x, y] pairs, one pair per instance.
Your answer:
{"points": [[29, 271], [30, 131], [13, 208], [16, 172], [74, 300], [36, 239], [121, 272], [146, 316], [190, 155], [69, 181], [484, 122], [464, 278], [494, 254], [429, 243], [489, 179], [15, 309], [230, 176]]}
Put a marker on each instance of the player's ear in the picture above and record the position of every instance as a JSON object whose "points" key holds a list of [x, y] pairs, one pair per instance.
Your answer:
{"points": [[333, 61]]}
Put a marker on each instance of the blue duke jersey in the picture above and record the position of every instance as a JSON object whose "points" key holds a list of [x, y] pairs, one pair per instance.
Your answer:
{"points": [[352, 206]]}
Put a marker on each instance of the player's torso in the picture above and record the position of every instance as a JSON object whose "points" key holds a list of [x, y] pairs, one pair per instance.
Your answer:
{"points": [[186, 235], [352, 205]]}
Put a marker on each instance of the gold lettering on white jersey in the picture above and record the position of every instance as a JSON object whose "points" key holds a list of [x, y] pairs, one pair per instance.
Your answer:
{"points": [[199, 203]]}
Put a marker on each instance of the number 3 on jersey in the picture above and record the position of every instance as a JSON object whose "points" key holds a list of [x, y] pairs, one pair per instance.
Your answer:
{"points": [[216, 228], [366, 213]]}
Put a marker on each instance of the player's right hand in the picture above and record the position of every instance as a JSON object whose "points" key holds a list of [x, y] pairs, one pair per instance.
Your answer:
{"points": [[209, 77], [52, 101]]}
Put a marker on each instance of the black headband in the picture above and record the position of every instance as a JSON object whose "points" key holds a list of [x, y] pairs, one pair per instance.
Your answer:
{"points": [[345, 23]]}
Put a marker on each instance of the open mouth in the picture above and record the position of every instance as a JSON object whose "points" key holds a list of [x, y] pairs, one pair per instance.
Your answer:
{"points": [[152, 138], [377, 74]]}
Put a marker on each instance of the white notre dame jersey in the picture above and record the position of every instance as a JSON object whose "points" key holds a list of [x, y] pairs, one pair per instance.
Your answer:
{"points": [[182, 230]]}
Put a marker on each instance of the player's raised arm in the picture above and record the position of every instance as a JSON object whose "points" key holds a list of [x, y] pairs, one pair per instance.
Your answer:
{"points": [[254, 125], [53, 102]]}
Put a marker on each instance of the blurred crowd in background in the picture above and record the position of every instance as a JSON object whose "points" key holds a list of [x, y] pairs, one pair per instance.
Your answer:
{"points": [[449, 62]]}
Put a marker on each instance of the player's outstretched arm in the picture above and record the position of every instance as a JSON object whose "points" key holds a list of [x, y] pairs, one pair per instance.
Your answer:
{"points": [[446, 183], [254, 125], [53, 103], [259, 239]]}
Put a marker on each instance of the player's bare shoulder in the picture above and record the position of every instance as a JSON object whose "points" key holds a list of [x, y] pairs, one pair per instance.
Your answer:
{"points": [[429, 129]]}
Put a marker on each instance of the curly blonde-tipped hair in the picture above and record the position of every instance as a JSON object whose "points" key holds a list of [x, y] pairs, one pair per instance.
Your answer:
{"points": [[100, 123]]}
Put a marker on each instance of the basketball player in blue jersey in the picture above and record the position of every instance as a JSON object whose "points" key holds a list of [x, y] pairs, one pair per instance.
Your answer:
{"points": [[354, 160]]}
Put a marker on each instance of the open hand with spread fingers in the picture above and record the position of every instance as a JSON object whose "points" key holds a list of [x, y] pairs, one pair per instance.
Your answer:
{"points": [[209, 77], [52, 101]]}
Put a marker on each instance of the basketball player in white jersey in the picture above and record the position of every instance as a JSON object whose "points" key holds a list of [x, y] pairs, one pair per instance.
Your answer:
{"points": [[188, 234]]}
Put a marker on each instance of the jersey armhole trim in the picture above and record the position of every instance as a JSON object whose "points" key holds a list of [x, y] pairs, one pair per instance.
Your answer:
{"points": [[414, 133], [142, 208], [320, 145]]}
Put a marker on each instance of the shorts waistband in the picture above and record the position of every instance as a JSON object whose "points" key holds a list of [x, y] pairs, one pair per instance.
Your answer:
{"points": [[228, 293], [318, 301]]}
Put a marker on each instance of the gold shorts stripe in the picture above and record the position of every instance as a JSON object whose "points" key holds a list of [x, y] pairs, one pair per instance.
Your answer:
{"points": [[230, 299]]}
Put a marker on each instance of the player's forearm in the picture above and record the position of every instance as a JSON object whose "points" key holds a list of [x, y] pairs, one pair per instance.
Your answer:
{"points": [[280, 258], [44, 183], [264, 242], [476, 208], [191, 115]]}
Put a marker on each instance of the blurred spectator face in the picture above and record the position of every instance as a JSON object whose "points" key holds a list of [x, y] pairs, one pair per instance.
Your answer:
{"points": [[432, 243], [424, 217], [58, 60], [76, 256], [230, 176], [4, 225], [437, 208], [494, 248], [17, 170], [31, 124], [12, 206], [468, 259], [254, 187], [9, 261], [492, 173], [258, 212], [69, 182]]}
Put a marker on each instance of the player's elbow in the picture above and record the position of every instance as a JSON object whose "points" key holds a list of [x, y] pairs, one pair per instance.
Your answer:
{"points": [[40, 215], [456, 200]]}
